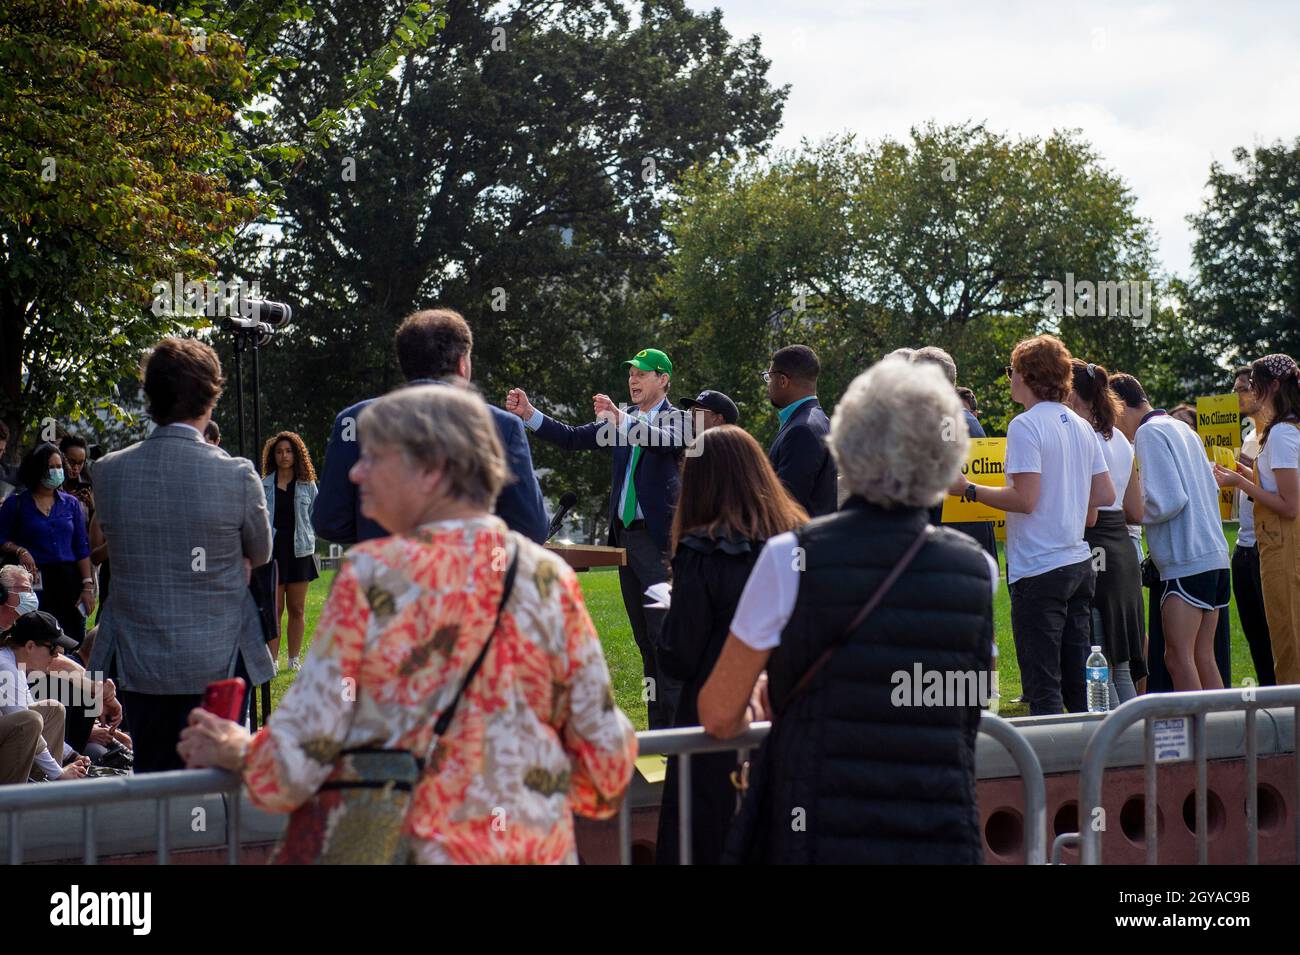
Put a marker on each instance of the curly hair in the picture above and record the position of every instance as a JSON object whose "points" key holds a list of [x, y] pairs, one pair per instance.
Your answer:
{"points": [[302, 469], [1045, 364]]}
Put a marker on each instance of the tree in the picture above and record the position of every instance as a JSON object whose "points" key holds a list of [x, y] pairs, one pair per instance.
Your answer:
{"points": [[111, 133], [516, 170], [118, 132], [1247, 253], [951, 239]]}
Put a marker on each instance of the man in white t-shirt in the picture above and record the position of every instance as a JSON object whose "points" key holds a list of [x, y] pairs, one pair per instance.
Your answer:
{"points": [[1056, 471]]}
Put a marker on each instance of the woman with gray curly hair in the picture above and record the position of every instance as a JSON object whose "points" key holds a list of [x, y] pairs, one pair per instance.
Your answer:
{"points": [[875, 632]]}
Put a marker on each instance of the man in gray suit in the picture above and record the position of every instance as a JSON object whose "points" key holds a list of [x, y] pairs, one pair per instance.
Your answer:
{"points": [[184, 523]]}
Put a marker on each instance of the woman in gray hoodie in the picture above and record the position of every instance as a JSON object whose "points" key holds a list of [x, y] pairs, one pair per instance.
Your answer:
{"points": [[1184, 536]]}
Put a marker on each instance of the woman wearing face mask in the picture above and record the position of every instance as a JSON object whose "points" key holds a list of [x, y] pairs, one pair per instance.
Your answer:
{"points": [[45, 529]]}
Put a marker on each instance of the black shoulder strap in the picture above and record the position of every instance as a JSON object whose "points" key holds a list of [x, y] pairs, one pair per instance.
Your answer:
{"points": [[444, 719]]}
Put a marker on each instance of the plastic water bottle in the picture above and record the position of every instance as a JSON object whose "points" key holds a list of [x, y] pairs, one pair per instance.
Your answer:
{"points": [[1097, 673]]}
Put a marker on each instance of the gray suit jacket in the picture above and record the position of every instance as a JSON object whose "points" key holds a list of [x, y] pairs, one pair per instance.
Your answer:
{"points": [[180, 516]]}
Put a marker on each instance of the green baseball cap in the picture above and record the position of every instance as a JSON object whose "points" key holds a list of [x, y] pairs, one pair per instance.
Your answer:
{"points": [[651, 359]]}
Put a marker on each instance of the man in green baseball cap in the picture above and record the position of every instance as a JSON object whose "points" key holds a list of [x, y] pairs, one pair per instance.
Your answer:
{"points": [[651, 359], [647, 440]]}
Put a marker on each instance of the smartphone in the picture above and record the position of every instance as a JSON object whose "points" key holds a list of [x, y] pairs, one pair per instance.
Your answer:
{"points": [[225, 698]]}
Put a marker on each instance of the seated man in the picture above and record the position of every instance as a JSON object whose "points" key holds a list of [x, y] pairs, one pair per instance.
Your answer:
{"points": [[29, 643], [92, 710]]}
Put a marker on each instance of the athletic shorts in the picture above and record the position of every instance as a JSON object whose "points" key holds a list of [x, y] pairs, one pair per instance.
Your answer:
{"points": [[1210, 590]]}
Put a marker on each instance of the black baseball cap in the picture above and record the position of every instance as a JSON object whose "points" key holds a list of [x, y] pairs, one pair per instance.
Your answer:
{"points": [[717, 402], [39, 627]]}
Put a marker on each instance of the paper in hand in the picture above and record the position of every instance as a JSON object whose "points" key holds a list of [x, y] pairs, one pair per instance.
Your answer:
{"points": [[660, 596]]}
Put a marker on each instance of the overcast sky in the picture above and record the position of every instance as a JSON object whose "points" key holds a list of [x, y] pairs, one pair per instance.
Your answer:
{"points": [[1161, 90]]}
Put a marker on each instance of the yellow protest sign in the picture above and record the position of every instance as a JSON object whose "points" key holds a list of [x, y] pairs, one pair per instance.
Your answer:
{"points": [[1225, 457], [1218, 422], [984, 465]]}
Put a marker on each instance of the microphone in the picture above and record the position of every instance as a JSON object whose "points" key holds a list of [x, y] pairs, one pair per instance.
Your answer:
{"points": [[567, 500]]}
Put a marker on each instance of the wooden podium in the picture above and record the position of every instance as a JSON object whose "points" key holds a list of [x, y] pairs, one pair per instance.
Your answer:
{"points": [[586, 556]]}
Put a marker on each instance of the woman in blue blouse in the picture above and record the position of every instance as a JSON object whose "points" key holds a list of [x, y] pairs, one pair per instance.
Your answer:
{"points": [[46, 530]]}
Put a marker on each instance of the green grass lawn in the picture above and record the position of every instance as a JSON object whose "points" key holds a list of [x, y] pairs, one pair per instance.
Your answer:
{"points": [[605, 604]]}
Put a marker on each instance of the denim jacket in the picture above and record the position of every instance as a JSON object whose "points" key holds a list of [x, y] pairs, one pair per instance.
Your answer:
{"points": [[304, 538]]}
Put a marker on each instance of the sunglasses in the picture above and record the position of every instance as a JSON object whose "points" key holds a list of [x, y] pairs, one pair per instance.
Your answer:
{"points": [[1008, 371]]}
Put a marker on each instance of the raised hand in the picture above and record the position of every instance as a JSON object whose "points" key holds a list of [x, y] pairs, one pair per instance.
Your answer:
{"points": [[517, 403], [605, 409]]}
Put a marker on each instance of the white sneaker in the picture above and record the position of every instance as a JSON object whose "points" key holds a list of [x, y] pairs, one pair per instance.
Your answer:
{"points": [[294, 664]]}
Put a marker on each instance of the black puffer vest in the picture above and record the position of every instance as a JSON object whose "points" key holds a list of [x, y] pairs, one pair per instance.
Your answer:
{"points": [[852, 776]]}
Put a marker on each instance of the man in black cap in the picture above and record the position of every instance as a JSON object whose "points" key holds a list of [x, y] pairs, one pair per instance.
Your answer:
{"points": [[711, 409], [30, 643]]}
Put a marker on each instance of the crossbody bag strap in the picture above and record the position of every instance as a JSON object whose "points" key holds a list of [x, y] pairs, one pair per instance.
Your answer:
{"points": [[885, 586], [445, 718]]}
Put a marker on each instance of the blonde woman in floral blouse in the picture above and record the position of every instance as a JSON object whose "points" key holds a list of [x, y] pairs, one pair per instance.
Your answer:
{"points": [[536, 737]]}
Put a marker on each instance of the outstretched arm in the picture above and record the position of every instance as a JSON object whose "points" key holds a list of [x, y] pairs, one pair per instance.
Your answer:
{"points": [[582, 438]]}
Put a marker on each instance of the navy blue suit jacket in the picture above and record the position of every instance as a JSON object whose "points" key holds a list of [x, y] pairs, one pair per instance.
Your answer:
{"points": [[803, 461], [657, 477], [336, 514]]}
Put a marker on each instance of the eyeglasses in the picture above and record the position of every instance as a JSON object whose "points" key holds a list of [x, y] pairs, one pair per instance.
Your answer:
{"points": [[767, 375], [1008, 371]]}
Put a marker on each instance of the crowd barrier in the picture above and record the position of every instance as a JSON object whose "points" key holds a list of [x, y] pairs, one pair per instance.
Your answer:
{"points": [[685, 743], [164, 788], [1193, 705], [88, 794]]}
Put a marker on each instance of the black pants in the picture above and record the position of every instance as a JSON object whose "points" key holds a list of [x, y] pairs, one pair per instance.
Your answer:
{"points": [[155, 721], [646, 565], [1051, 621], [1250, 607]]}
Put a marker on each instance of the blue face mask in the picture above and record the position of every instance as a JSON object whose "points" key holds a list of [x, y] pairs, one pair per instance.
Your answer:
{"points": [[54, 479], [28, 602]]}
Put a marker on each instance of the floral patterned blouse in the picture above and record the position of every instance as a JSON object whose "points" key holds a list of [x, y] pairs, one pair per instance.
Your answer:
{"points": [[537, 735]]}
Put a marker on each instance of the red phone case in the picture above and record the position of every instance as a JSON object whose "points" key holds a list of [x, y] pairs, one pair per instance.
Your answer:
{"points": [[225, 698]]}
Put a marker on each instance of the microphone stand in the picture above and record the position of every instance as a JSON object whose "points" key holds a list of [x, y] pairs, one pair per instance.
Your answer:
{"points": [[247, 340]]}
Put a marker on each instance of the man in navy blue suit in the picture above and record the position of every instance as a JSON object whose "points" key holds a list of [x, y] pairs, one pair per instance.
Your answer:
{"points": [[647, 440], [799, 452], [432, 345]]}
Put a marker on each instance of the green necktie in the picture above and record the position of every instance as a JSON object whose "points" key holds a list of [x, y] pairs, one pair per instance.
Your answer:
{"points": [[629, 501]]}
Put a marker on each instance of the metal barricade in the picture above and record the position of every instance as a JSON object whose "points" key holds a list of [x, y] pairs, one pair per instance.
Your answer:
{"points": [[1195, 704], [685, 743], [87, 794]]}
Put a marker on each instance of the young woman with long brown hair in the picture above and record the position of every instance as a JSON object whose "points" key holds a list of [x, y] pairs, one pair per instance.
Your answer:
{"points": [[1117, 607], [731, 502], [290, 484], [1274, 485]]}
